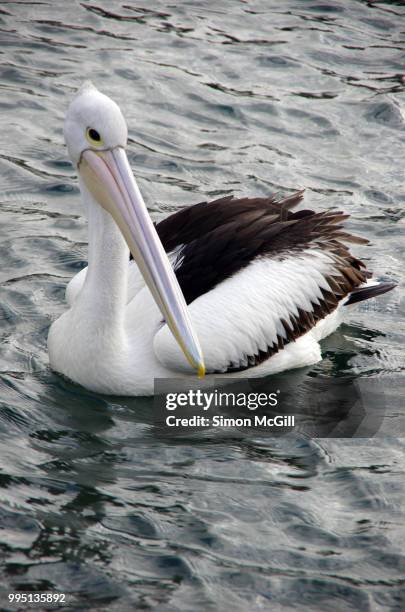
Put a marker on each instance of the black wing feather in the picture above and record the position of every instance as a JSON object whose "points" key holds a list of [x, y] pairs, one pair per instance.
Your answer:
{"points": [[214, 240], [219, 238]]}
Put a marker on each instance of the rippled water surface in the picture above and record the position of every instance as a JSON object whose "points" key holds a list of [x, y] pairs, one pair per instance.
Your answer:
{"points": [[220, 97]]}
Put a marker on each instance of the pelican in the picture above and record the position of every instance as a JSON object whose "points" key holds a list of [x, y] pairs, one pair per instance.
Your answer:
{"points": [[235, 287]]}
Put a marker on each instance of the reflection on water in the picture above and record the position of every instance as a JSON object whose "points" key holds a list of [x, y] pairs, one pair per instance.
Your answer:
{"points": [[97, 499]]}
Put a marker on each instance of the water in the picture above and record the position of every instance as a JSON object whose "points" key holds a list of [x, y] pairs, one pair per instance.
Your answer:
{"points": [[231, 97]]}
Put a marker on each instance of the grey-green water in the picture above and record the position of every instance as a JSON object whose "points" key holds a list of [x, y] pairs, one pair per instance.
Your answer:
{"points": [[220, 97]]}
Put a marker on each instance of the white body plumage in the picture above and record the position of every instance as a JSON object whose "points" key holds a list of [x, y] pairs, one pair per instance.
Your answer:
{"points": [[111, 340]]}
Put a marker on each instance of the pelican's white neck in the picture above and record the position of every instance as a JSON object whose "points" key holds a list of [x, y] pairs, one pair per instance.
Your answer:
{"points": [[105, 288]]}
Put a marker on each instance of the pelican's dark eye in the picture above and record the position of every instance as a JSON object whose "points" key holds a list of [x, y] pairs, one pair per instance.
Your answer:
{"points": [[93, 136]]}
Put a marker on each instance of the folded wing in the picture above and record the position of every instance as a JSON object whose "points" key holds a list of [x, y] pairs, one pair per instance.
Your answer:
{"points": [[256, 276]]}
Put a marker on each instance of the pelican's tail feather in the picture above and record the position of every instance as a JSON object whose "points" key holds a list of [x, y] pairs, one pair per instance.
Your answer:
{"points": [[368, 291]]}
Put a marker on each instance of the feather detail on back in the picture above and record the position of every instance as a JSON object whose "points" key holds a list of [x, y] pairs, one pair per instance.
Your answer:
{"points": [[214, 242], [219, 238]]}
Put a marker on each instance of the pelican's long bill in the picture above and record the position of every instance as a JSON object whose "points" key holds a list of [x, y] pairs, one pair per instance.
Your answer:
{"points": [[108, 176]]}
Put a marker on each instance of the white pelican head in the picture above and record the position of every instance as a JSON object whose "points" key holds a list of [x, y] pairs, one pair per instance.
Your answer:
{"points": [[96, 137]]}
